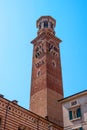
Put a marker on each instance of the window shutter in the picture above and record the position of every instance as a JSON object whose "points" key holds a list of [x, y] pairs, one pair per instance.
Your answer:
{"points": [[79, 112], [80, 128], [70, 115]]}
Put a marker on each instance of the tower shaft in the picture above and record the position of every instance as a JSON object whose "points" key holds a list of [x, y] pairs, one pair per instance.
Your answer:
{"points": [[46, 85]]}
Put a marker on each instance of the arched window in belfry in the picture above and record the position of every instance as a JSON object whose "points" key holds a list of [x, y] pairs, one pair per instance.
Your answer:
{"points": [[45, 24], [40, 26], [51, 25]]}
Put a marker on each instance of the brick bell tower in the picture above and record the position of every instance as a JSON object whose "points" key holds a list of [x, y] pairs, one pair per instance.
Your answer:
{"points": [[46, 85]]}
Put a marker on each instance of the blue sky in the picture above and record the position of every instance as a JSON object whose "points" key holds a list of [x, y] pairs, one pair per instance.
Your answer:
{"points": [[18, 28]]}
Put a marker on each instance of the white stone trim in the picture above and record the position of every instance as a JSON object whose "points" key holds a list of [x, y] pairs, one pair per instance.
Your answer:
{"points": [[76, 127]]}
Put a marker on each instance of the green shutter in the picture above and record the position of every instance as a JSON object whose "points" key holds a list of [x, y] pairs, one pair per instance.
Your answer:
{"points": [[78, 112], [80, 128], [70, 115]]}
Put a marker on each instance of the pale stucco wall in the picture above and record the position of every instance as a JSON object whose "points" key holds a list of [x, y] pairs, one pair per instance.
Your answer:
{"points": [[68, 124]]}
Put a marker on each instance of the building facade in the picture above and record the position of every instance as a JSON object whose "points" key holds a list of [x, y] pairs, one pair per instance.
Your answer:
{"points": [[75, 111], [46, 87], [14, 117]]}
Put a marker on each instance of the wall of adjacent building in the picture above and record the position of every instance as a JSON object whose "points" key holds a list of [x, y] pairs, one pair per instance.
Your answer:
{"points": [[78, 122]]}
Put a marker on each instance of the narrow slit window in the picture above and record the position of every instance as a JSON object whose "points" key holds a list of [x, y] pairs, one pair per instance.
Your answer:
{"points": [[38, 73]]}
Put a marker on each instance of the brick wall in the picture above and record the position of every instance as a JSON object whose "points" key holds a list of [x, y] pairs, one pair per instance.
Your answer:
{"points": [[13, 117]]}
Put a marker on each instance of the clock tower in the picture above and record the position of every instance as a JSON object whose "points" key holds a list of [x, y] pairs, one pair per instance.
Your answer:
{"points": [[46, 83]]}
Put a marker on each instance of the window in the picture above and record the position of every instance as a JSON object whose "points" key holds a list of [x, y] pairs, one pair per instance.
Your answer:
{"points": [[51, 25], [54, 63], [50, 127], [21, 127], [38, 73], [73, 103], [40, 26], [80, 128], [0, 121], [46, 24], [75, 113]]}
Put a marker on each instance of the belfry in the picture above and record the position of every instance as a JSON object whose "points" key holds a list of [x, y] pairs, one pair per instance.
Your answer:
{"points": [[46, 83]]}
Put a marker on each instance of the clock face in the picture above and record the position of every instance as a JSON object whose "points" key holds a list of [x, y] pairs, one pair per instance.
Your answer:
{"points": [[39, 51]]}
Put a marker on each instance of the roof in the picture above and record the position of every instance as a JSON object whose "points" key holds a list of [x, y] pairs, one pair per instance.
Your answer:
{"points": [[73, 96], [47, 17], [12, 105]]}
